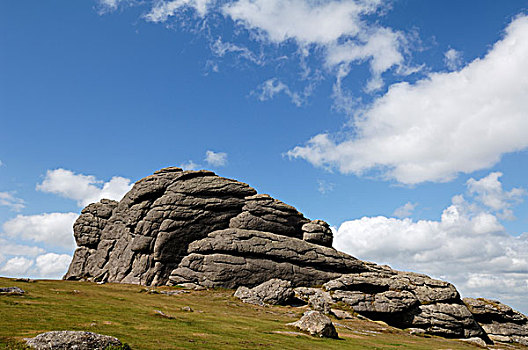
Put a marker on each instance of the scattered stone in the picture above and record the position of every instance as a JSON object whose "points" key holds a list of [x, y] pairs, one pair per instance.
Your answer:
{"points": [[317, 324], [341, 314], [187, 309], [24, 279], [475, 341], [72, 340], [500, 321], [11, 291], [316, 298], [164, 315], [192, 286], [173, 292], [416, 331], [273, 292]]}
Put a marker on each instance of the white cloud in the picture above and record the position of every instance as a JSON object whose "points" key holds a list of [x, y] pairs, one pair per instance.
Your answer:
{"points": [[467, 246], [10, 248], [271, 87], [221, 48], [405, 210], [337, 27], [52, 265], [489, 192], [165, 9], [440, 126], [216, 158], [7, 199], [85, 189], [49, 265], [54, 229], [16, 267], [306, 22], [190, 165], [453, 59]]}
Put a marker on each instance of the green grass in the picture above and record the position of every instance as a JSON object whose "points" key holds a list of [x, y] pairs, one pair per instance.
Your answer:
{"points": [[219, 320]]}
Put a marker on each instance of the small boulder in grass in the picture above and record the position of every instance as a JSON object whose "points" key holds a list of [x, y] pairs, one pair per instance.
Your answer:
{"points": [[12, 291], [77, 340], [317, 324], [273, 292]]}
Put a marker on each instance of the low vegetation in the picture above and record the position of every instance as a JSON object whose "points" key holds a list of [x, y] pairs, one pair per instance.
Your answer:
{"points": [[211, 319]]}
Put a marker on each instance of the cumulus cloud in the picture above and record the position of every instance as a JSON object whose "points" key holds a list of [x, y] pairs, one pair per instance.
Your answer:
{"points": [[10, 248], [52, 265], [453, 59], [467, 246], [84, 189], [489, 192], [15, 267], [9, 200], [49, 265], [440, 126], [405, 210], [53, 229], [216, 158]]}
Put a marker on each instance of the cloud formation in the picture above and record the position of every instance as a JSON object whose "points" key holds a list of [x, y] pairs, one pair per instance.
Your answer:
{"points": [[453, 59], [48, 265], [336, 33], [405, 210], [9, 200], [467, 246], [217, 159], [448, 123], [84, 189], [53, 229]]}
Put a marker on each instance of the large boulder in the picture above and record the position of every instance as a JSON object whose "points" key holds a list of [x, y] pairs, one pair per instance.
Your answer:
{"points": [[407, 300], [72, 340], [500, 321]]}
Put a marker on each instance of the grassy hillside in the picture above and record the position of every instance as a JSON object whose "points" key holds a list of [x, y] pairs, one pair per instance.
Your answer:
{"points": [[219, 321]]}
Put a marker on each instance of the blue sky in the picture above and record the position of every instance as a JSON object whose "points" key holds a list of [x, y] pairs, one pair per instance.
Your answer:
{"points": [[393, 121]]}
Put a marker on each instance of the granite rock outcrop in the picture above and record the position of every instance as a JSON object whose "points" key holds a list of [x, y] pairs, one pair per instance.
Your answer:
{"points": [[200, 230], [500, 321]]}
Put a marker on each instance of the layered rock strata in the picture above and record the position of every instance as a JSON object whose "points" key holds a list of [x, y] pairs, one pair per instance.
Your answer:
{"points": [[197, 229], [500, 321]]}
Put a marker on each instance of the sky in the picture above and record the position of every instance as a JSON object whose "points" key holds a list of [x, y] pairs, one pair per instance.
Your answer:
{"points": [[403, 124]]}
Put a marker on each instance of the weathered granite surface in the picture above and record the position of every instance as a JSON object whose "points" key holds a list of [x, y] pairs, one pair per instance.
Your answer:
{"points": [[72, 340], [317, 324], [197, 229], [273, 292], [500, 321]]}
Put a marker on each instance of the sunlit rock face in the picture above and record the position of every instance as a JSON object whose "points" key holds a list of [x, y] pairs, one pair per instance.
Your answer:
{"points": [[195, 228]]}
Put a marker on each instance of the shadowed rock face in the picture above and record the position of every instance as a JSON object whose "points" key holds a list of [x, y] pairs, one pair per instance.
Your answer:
{"points": [[195, 228]]}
